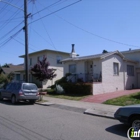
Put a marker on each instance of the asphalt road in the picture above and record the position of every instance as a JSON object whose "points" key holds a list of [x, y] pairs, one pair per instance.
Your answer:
{"points": [[35, 122]]}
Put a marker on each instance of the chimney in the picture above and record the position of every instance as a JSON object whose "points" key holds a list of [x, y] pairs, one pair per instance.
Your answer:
{"points": [[73, 54], [73, 51]]}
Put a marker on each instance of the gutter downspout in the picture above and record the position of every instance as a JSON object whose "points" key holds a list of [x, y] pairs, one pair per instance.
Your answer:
{"points": [[124, 75]]}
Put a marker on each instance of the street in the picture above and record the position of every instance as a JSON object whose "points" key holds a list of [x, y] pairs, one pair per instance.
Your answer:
{"points": [[35, 122]]}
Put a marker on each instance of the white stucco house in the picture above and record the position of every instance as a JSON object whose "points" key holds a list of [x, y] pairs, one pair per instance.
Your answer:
{"points": [[107, 72], [53, 57]]}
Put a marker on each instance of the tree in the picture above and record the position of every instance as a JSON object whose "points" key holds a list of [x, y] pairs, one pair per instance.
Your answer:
{"points": [[1, 70], [42, 72], [5, 65], [105, 51], [6, 78]]}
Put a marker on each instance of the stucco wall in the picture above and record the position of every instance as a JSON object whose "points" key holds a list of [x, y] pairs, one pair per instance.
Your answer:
{"points": [[97, 68], [52, 59], [130, 81], [110, 82]]}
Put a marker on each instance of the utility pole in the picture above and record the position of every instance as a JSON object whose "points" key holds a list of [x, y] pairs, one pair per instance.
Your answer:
{"points": [[26, 41]]}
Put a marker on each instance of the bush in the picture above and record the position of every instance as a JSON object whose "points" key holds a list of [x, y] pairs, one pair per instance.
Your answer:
{"points": [[77, 89], [59, 89], [62, 80]]}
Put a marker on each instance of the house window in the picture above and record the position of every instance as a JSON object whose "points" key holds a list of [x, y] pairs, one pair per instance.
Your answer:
{"points": [[30, 61], [18, 77], [58, 60], [116, 68], [72, 68], [39, 58], [130, 70]]}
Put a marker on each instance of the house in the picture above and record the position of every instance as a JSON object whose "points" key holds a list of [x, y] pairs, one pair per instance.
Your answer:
{"points": [[107, 72], [14, 69], [53, 57]]}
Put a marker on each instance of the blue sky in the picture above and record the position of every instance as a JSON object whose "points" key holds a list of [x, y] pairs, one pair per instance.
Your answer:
{"points": [[92, 25]]}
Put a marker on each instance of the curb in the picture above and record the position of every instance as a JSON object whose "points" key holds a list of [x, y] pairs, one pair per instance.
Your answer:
{"points": [[45, 103], [100, 113], [93, 112]]}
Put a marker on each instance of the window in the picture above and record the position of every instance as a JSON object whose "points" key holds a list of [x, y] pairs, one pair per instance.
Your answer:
{"points": [[29, 87], [18, 77], [130, 70], [116, 68], [72, 68], [30, 61], [58, 60], [40, 58]]}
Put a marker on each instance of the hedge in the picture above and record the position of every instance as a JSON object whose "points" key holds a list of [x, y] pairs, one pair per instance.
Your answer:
{"points": [[77, 89]]}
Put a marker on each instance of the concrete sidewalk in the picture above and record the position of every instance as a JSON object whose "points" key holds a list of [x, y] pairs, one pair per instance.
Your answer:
{"points": [[89, 108], [92, 104]]}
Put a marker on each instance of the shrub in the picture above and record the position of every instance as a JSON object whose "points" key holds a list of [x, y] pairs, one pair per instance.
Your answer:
{"points": [[77, 89], [59, 89], [63, 79]]}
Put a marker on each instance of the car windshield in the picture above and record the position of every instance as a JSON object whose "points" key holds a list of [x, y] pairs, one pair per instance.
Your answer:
{"points": [[29, 87]]}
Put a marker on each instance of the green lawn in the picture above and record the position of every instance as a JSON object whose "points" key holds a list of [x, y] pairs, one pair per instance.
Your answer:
{"points": [[69, 97], [52, 93], [125, 100]]}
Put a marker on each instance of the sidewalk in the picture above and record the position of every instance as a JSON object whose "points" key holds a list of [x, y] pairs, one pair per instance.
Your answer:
{"points": [[92, 104], [90, 108]]}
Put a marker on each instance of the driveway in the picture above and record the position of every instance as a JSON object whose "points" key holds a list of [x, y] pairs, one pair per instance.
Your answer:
{"points": [[103, 97]]}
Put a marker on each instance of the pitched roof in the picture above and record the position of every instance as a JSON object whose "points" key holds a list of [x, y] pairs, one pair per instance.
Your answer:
{"points": [[13, 68], [103, 55], [45, 50], [130, 51]]}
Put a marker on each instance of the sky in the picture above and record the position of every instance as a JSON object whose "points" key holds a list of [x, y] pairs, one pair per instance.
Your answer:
{"points": [[92, 25]]}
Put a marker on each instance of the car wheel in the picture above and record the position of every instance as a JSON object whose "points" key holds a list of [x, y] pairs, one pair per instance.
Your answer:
{"points": [[1, 97], [13, 99], [135, 122], [32, 101]]}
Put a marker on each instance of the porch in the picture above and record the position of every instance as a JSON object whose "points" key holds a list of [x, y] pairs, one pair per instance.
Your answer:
{"points": [[85, 77]]}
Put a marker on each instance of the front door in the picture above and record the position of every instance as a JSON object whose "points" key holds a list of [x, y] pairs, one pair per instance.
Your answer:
{"points": [[90, 71]]}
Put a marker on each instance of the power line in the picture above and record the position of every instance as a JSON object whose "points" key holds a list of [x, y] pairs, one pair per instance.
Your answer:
{"points": [[7, 40], [97, 35], [35, 50], [56, 11], [46, 7], [10, 19], [11, 30], [45, 29]]}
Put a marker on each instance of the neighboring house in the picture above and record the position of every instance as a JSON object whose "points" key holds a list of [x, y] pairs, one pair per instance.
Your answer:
{"points": [[53, 57], [108, 72], [15, 69]]}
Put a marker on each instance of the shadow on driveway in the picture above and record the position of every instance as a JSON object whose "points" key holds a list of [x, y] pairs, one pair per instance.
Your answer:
{"points": [[119, 129], [21, 103]]}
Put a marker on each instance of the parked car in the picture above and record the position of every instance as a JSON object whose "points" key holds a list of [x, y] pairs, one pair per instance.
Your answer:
{"points": [[129, 115], [16, 91]]}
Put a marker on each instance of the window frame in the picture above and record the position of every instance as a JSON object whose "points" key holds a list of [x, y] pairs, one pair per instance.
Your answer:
{"points": [[72, 68], [58, 59], [30, 61], [115, 68]]}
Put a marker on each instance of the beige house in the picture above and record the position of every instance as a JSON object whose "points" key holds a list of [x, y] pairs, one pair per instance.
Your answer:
{"points": [[53, 57], [14, 69], [108, 72]]}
